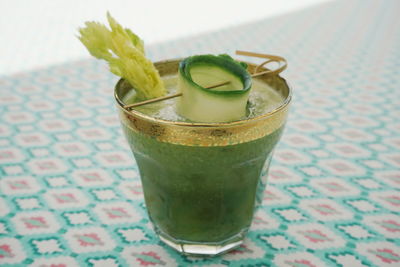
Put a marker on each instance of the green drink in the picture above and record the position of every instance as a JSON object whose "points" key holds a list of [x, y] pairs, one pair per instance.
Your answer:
{"points": [[202, 173], [202, 181]]}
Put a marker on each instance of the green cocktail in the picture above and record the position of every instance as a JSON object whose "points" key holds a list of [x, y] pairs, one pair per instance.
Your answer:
{"points": [[201, 170], [202, 181]]}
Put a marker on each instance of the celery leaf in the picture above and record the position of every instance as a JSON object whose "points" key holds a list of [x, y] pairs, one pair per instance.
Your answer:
{"points": [[124, 52]]}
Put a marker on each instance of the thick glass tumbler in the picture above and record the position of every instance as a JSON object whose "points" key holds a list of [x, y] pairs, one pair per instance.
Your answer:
{"points": [[202, 181]]}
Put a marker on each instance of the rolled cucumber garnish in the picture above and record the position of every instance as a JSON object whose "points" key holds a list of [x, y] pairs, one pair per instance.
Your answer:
{"points": [[220, 104]]}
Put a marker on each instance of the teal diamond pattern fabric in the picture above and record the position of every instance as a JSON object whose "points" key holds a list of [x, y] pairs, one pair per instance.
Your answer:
{"points": [[70, 193]]}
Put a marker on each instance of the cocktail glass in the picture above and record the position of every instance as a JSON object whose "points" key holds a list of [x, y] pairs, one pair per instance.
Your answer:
{"points": [[202, 181]]}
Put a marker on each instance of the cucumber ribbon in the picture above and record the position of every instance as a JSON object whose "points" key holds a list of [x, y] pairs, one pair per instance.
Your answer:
{"points": [[220, 104]]}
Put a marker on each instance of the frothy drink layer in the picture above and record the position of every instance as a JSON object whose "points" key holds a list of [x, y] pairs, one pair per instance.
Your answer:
{"points": [[262, 100]]}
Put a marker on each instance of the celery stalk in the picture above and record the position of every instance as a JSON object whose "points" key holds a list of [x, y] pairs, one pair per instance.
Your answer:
{"points": [[124, 52]]}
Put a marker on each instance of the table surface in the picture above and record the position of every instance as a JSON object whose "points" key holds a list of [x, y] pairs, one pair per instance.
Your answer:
{"points": [[70, 194]]}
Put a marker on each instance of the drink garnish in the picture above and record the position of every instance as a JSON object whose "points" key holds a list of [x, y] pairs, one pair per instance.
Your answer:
{"points": [[217, 92], [203, 102], [125, 54], [282, 64]]}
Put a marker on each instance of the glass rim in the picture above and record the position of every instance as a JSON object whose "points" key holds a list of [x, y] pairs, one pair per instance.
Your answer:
{"points": [[144, 116]]}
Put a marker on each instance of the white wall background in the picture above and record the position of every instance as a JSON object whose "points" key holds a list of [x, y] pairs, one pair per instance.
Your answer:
{"points": [[35, 34]]}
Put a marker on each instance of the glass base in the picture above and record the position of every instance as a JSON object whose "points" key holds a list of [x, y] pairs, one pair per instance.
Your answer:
{"points": [[203, 248]]}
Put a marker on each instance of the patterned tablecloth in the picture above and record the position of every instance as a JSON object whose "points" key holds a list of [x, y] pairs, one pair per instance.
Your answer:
{"points": [[70, 194]]}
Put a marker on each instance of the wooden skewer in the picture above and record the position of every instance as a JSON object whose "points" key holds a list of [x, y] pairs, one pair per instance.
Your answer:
{"points": [[167, 97], [217, 85], [270, 58], [152, 100]]}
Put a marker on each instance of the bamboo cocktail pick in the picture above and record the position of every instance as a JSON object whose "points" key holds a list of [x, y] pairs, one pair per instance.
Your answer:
{"points": [[269, 58], [167, 97]]}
